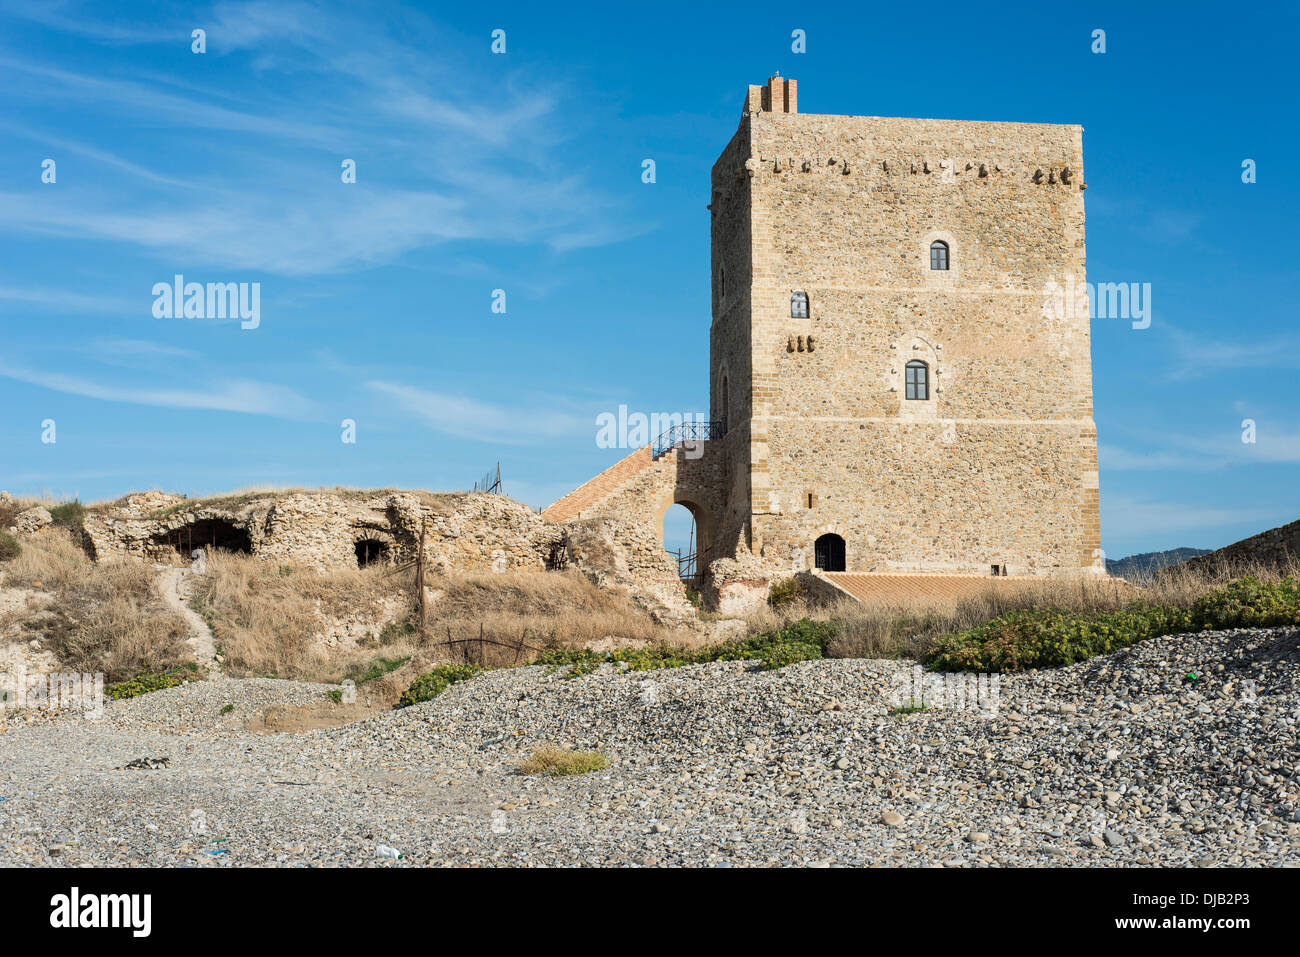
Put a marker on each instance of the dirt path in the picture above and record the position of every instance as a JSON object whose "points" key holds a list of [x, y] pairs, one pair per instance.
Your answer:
{"points": [[172, 584]]}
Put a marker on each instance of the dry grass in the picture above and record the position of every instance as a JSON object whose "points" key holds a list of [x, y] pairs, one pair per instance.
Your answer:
{"points": [[542, 609], [558, 762], [264, 616], [102, 617], [907, 631]]}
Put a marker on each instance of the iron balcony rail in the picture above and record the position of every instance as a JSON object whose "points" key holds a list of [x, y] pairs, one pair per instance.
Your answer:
{"points": [[686, 433]]}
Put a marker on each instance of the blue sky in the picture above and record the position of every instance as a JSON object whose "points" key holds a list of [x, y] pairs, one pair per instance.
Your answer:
{"points": [[479, 171]]}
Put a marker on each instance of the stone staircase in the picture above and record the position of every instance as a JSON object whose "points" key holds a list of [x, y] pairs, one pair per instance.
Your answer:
{"points": [[584, 499]]}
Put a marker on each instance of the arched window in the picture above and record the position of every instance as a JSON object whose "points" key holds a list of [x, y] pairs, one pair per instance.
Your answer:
{"points": [[828, 551], [938, 255], [799, 305], [918, 380]]}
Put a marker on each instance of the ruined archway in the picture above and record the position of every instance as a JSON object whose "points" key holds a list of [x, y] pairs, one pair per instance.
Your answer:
{"points": [[693, 548], [213, 534], [372, 551]]}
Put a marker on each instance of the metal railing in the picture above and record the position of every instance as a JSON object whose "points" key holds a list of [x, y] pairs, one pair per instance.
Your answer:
{"points": [[490, 483], [686, 433], [686, 568]]}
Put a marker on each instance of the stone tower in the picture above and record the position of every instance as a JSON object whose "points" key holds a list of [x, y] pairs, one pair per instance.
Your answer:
{"points": [[900, 378], [901, 389]]}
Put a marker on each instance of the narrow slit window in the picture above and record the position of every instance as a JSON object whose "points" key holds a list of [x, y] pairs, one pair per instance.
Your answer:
{"points": [[918, 380]]}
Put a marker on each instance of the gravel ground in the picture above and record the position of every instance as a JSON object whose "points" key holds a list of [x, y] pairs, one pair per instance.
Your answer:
{"points": [[1117, 761]]}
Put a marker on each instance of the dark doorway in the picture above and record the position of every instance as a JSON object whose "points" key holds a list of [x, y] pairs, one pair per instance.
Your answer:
{"points": [[371, 551], [829, 553], [210, 533]]}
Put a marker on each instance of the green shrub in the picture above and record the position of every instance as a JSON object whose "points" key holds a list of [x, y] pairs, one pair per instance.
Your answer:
{"points": [[147, 681], [9, 547], [1038, 638], [786, 591], [1249, 603], [433, 683], [802, 640], [68, 514], [377, 668], [396, 631]]}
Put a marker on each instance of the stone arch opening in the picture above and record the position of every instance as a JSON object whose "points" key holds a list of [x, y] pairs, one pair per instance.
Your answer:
{"points": [[372, 551], [215, 534], [829, 553], [686, 529]]}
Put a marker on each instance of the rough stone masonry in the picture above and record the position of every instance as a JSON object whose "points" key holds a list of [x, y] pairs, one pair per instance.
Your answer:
{"points": [[890, 392]]}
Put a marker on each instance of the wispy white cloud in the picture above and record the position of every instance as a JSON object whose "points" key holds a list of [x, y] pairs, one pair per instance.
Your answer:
{"points": [[136, 349], [96, 154], [278, 234], [238, 395], [1194, 356], [1135, 519], [469, 418], [1117, 458], [81, 19], [479, 157], [61, 299]]}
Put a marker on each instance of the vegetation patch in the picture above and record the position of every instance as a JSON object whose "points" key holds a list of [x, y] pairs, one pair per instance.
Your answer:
{"points": [[102, 617], [9, 547], [147, 681], [786, 592], [911, 706], [68, 514], [803, 640], [433, 683], [377, 668], [560, 763], [1040, 638]]}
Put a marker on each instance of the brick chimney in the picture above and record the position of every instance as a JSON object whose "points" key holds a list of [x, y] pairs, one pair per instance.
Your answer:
{"points": [[779, 96]]}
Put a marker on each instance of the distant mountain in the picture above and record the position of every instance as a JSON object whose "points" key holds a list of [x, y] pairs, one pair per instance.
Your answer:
{"points": [[1136, 567]]}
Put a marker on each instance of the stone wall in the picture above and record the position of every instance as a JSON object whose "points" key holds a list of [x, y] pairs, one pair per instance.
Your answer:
{"points": [[321, 529]]}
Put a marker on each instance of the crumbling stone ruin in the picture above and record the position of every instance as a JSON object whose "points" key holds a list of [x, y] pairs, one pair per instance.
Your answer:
{"points": [[325, 530]]}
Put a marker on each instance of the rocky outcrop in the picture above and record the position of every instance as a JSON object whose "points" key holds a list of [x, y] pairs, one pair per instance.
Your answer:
{"points": [[629, 557], [1276, 548], [737, 586], [32, 520]]}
